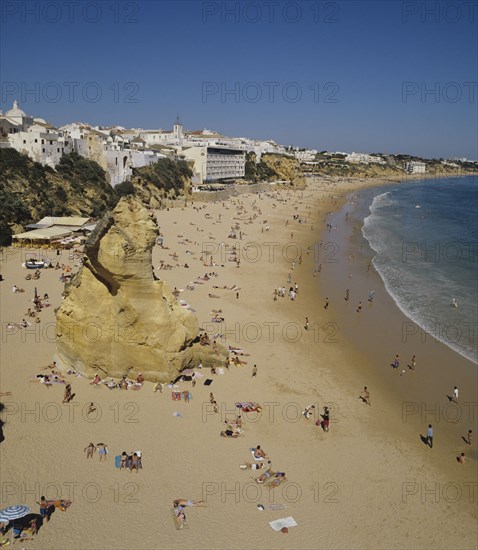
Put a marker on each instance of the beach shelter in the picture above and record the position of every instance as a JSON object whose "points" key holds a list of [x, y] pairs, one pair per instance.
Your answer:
{"points": [[12, 513]]}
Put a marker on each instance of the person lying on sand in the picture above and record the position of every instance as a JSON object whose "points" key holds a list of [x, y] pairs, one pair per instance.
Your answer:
{"points": [[62, 503], [237, 362], [276, 480], [252, 466], [265, 476], [186, 502], [180, 516], [229, 433], [96, 380]]}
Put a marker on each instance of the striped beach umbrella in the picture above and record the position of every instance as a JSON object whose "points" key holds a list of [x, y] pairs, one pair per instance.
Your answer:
{"points": [[14, 512]]}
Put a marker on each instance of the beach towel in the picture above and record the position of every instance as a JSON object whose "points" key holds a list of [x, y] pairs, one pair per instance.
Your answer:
{"points": [[279, 524], [117, 461], [207, 382], [220, 370], [176, 396]]}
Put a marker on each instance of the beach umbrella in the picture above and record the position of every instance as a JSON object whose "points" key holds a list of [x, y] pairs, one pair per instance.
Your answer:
{"points": [[13, 512]]}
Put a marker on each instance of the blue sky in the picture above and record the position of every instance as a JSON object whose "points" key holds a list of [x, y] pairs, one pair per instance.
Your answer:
{"points": [[349, 76]]}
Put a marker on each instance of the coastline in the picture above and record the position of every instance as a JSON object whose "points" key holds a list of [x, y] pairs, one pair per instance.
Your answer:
{"points": [[336, 481]]}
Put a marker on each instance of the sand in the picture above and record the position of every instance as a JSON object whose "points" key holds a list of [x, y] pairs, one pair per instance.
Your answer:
{"points": [[370, 482]]}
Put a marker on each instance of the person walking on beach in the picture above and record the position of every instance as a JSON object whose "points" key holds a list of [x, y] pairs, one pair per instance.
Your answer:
{"points": [[307, 412], [90, 450], [68, 395], [396, 362], [347, 295], [254, 371], [371, 296], [90, 409], [461, 458], [306, 326], [359, 307], [102, 451], [455, 395], [44, 508], [365, 395], [326, 419], [469, 437], [413, 362], [430, 436], [326, 305]]}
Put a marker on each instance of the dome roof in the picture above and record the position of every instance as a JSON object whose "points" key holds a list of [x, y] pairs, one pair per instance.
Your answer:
{"points": [[15, 110], [41, 120]]}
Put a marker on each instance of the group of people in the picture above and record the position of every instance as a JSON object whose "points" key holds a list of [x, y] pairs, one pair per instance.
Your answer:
{"points": [[131, 461], [100, 448], [324, 423]]}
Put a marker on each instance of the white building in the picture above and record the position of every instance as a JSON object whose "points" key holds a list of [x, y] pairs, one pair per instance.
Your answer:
{"points": [[415, 167], [305, 156], [363, 158], [42, 143], [14, 121], [215, 163]]}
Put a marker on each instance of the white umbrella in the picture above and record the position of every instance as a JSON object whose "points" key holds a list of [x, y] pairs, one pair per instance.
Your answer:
{"points": [[14, 512]]}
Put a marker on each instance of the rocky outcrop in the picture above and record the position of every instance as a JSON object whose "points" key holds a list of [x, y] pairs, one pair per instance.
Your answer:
{"points": [[116, 318], [160, 183], [275, 167]]}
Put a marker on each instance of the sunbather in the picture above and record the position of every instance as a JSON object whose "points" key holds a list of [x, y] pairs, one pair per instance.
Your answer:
{"points": [[252, 466], [229, 433], [259, 454], [186, 502], [276, 479], [265, 476]]}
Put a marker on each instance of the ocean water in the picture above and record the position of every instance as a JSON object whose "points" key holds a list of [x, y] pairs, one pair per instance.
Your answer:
{"points": [[425, 238]]}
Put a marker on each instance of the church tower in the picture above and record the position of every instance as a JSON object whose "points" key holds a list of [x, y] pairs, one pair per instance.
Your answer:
{"points": [[178, 129]]}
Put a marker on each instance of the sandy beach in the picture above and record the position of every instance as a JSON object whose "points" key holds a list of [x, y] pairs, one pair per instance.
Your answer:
{"points": [[369, 482]]}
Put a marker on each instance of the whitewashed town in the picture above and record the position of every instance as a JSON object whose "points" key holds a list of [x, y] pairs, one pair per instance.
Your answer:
{"points": [[212, 156]]}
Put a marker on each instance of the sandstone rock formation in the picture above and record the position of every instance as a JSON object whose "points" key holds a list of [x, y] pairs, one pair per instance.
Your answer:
{"points": [[286, 168], [116, 318]]}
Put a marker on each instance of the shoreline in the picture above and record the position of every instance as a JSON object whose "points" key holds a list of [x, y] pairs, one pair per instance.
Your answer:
{"points": [[336, 481]]}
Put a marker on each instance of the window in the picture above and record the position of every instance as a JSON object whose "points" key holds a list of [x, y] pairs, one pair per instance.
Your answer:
{"points": [[58, 150], [36, 141], [43, 142], [43, 150], [24, 141]]}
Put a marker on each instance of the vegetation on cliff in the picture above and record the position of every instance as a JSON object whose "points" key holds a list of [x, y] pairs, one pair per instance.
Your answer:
{"points": [[77, 186], [166, 179], [30, 191], [273, 166]]}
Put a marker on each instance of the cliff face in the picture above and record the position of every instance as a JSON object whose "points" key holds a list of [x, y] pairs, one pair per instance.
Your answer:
{"points": [[162, 182], [115, 318], [275, 167]]}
